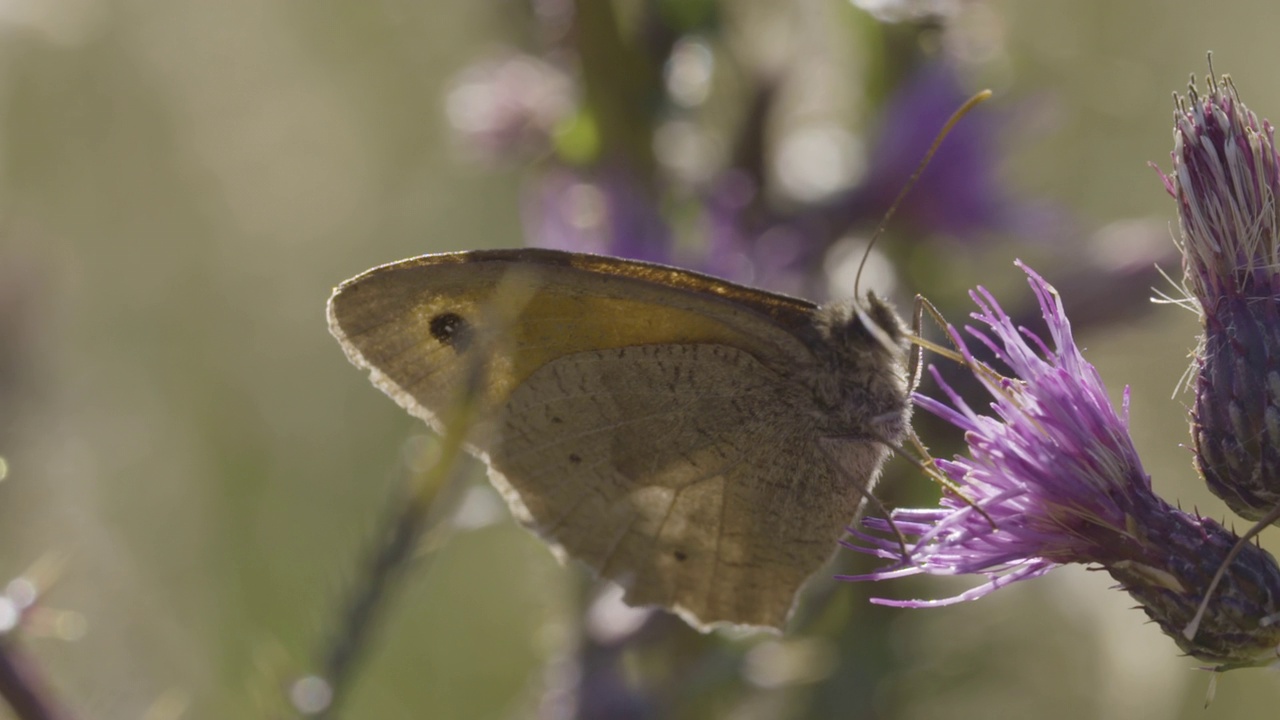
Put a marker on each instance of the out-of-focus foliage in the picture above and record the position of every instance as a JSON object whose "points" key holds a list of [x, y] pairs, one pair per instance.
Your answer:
{"points": [[184, 182]]}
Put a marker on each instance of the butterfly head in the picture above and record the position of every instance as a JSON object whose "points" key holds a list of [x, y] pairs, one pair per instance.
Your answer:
{"points": [[860, 375]]}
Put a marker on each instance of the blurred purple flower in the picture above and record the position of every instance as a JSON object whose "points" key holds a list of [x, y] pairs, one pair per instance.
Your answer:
{"points": [[960, 194], [603, 211], [1225, 178], [748, 244], [1053, 478], [606, 209]]}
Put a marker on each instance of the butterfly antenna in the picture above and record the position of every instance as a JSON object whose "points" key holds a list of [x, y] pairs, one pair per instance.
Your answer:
{"points": [[964, 109], [1189, 632]]}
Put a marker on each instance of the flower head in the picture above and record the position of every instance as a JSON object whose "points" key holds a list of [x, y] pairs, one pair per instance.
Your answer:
{"points": [[1225, 178], [1052, 477]]}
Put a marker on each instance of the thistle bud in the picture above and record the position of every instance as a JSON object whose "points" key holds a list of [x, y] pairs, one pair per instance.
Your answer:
{"points": [[1225, 178]]}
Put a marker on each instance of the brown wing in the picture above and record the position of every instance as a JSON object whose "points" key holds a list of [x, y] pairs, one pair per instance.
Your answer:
{"points": [[691, 474], [697, 483]]}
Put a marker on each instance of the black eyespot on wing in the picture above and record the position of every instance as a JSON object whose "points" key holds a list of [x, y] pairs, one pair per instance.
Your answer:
{"points": [[681, 555], [451, 329], [575, 458]]}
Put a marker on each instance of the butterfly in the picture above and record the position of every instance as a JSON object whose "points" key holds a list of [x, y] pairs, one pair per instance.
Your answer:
{"points": [[704, 444]]}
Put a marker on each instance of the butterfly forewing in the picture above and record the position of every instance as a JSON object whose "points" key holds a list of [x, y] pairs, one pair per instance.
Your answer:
{"points": [[413, 323]]}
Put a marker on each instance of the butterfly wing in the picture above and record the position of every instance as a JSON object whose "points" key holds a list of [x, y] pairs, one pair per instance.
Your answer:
{"points": [[671, 389], [690, 474]]}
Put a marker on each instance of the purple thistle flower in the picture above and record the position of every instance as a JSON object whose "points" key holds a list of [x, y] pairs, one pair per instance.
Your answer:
{"points": [[1225, 178], [1052, 478]]}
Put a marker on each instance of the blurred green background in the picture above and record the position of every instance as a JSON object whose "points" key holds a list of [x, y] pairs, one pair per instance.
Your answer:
{"points": [[183, 183]]}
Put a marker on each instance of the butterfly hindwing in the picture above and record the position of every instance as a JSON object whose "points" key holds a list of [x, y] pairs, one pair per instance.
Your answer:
{"points": [[691, 474]]}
